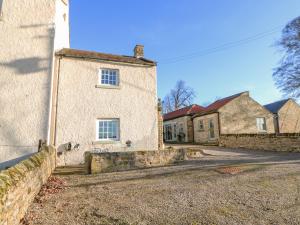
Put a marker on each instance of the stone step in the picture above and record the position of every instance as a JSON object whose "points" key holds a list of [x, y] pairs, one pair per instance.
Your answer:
{"points": [[70, 170]]}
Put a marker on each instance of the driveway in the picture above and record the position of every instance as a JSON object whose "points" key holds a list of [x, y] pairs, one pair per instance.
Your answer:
{"points": [[264, 188]]}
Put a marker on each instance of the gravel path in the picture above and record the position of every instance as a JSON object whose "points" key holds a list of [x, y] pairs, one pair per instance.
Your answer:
{"points": [[266, 191]]}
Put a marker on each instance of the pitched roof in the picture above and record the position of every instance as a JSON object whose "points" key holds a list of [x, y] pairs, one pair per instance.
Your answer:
{"points": [[221, 102], [276, 106], [189, 110], [74, 53]]}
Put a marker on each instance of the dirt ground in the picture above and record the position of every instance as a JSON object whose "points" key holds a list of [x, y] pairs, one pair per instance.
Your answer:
{"points": [[214, 190]]}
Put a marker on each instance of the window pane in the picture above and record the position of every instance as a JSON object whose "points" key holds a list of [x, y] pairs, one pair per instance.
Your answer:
{"points": [[109, 77], [108, 129]]}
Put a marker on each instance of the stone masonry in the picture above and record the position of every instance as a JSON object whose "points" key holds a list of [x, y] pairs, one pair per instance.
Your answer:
{"points": [[20, 184], [268, 142]]}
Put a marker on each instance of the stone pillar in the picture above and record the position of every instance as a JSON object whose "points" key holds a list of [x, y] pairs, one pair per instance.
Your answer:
{"points": [[160, 126]]}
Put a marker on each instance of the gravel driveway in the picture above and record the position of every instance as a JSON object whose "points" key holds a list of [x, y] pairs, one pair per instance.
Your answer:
{"points": [[265, 190]]}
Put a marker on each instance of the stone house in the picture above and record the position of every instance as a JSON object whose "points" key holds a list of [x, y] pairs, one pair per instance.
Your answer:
{"points": [[236, 114], [178, 125], [286, 116], [77, 100]]}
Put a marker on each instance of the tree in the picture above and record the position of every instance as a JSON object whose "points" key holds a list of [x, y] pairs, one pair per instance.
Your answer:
{"points": [[180, 96], [287, 75]]}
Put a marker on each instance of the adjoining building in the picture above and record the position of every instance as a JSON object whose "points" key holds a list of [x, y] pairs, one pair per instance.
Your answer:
{"points": [[31, 32], [104, 102], [286, 116], [236, 114], [178, 125]]}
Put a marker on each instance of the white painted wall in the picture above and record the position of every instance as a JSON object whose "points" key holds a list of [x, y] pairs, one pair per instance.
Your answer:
{"points": [[80, 103], [26, 60]]}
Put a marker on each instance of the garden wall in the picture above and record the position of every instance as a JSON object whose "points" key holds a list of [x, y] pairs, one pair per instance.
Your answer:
{"points": [[271, 142], [20, 184], [120, 161]]}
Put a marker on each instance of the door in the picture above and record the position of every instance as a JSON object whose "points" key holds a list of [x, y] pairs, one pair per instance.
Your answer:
{"points": [[211, 131]]}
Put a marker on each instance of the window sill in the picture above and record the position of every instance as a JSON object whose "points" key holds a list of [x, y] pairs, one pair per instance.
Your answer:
{"points": [[262, 132], [107, 86], [105, 142]]}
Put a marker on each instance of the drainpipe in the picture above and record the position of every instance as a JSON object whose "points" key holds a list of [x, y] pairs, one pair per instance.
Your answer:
{"points": [[56, 101]]}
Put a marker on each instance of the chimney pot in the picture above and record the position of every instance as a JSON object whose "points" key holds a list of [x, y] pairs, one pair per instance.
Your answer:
{"points": [[139, 51]]}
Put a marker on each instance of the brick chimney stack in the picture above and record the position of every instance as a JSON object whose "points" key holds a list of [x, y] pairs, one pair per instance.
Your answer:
{"points": [[139, 51]]}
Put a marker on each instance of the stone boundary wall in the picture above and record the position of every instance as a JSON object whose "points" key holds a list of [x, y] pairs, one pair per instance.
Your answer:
{"points": [[121, 161], [268, 142], [20, 184]]}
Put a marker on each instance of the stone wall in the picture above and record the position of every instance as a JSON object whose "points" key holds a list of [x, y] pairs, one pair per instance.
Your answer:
{"points": [[120, 161], [160, 125], [20, 184], [270, 142], [239, 116], [204, 136], [289, 118]]}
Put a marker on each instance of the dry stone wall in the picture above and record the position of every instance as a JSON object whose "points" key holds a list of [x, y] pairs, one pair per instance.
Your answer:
{"points": [[271, 142], [20, 184], [120, 161]]}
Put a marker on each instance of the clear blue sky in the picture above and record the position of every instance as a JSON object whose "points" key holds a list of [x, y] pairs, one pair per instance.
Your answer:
{"points": [[173, 28]]}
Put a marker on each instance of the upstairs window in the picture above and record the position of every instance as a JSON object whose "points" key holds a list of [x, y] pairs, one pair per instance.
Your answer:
{"points": [[109, 77], [261, 124], [108, 130]]}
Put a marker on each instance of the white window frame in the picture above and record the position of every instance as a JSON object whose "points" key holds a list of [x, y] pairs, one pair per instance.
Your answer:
{"points": [[261, 124], [117, 80], [107, 139]]}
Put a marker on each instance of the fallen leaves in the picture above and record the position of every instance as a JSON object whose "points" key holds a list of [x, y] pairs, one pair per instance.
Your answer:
{"points": [[53, 186]]}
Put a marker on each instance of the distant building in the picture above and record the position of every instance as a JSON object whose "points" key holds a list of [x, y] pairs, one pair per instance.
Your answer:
{"points": [[236, 114], [178, 125], [286, 116]]}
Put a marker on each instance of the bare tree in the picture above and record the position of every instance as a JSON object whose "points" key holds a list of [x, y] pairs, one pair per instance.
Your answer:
{"points": [[179, 97], [287, 75]]}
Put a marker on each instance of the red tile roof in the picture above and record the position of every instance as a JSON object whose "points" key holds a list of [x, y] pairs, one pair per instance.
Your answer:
{"points": [[81, 54], [221, 102], [189, 110]]}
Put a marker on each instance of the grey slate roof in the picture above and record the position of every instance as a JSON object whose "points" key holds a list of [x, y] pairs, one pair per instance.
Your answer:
{"points": [[275, 106]]}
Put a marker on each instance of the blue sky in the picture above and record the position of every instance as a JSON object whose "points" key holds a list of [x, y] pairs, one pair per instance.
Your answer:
{"points": [[191, 30]]}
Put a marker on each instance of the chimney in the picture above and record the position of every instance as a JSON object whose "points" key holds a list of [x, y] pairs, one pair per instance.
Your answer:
{"points": [[139, 51]]}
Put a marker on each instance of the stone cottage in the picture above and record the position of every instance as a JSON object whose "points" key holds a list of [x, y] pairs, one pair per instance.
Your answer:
{"points": [[178, 125], [77, 100], [104, 102], [236, 114], [286, 116]]}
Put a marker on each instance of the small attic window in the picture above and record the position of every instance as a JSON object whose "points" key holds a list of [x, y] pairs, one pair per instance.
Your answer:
{"points": [[64, 16]]}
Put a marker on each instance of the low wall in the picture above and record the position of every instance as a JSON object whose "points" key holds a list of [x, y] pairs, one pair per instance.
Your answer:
{"points": [[120, 161], [20, 184], [271, 142]]}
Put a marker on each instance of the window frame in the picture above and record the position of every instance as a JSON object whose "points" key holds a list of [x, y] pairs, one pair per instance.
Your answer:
{"points": [[201, 125], [260, 125], [117, 139], [117, 79]]}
